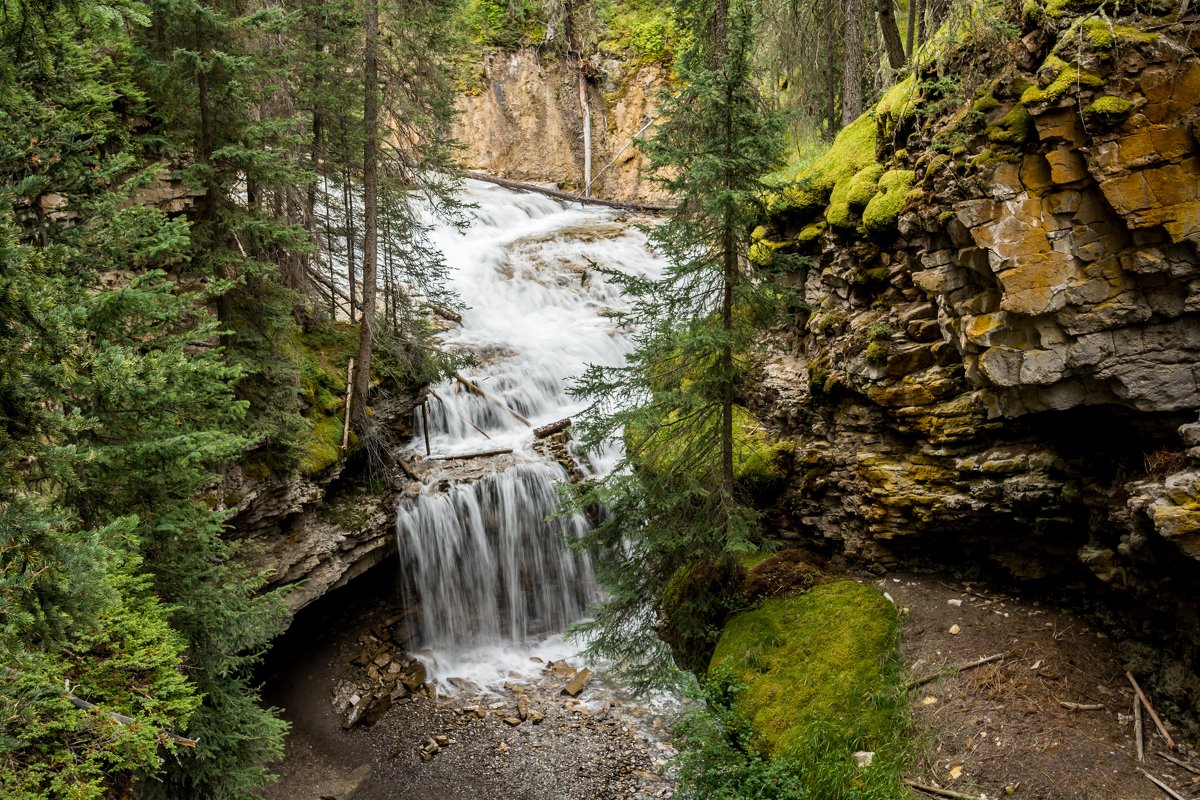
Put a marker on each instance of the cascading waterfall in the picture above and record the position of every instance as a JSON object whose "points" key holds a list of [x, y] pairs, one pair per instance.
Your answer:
{"points": [[485, 558]]}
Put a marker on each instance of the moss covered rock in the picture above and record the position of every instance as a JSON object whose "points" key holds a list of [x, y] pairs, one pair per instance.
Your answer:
{"points": [[851, 196], [880, 215], [821, 673], [806, 190], [1015, 128], [1062, 78]]}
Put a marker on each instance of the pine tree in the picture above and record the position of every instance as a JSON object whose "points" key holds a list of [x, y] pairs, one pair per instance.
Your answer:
{"points": [[677, 511]]}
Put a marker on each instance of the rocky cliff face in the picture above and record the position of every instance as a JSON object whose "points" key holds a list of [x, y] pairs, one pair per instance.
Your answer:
{"points": [[316, 533], [523, 121], [1006, 366]]}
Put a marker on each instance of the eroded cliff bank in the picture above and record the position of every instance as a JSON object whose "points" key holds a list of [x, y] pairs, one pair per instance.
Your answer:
{"points": [[998, 357], [521, 118]]}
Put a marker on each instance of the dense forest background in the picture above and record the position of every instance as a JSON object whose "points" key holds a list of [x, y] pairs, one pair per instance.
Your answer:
{"points": [[201, 203]]}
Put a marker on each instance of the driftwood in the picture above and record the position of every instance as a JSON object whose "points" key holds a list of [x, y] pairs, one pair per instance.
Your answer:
{"points": [[574, 198], [408, 471], [349, 390], [552, 428], [1179, 763], [477, 389], [1138, 737], [962, 668], [481, 454], [472, 424], [425, 426], [1158, 723], [1081, 706], [444, 313], [936, 792], [121, 719], [1170, 792]]}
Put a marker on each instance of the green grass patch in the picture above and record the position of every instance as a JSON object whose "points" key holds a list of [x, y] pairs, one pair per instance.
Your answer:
{"points": [[822, 679]]}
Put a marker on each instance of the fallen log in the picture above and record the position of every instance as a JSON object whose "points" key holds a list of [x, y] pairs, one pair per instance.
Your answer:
{"points": [[349, 391], [444, 313], [560, 195], [962, 668], [408, 471], [1158, 723], [552, 428], [936, 792], [477, 389], [121, 719], [481, 454]]}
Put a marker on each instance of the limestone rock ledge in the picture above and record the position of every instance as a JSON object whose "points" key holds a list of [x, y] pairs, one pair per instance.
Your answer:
{"points": [[1011, 375], [314, 534]]}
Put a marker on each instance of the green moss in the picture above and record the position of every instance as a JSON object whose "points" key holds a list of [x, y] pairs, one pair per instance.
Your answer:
{"points": [[897, 107], [877, 353], [1104, 35], [643, 29], [851, 196], [810, 233], [1107, 108], [821, 674], [1016, 127], [805, 190], [762, 249], [880, 214], [323, 447], [1067, 76], [985, 104], [1032, 13]]}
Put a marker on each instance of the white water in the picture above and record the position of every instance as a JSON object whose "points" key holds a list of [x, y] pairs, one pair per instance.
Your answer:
{"points": [[492, 574]]}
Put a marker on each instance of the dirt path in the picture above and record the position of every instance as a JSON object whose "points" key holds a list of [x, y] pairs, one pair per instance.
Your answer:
{"points": [[999, 730]]}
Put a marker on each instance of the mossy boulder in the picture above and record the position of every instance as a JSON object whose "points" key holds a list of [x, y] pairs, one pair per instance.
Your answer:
{"points": [[821, 673], [897, 108], [879, 217], [762, 248], [805, 190], [850, 197], [1057, 78], [1015, 128], [1107, 109]]}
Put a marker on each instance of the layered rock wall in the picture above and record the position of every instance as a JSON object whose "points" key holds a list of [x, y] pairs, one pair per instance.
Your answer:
{"points": [[1012, 372]]}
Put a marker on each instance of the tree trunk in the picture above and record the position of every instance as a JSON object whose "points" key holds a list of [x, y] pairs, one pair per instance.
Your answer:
{"points": [[366, 336], [831, 73], [914, 11], [729, 271], [852, 47], [348, 220], [891, 34]]}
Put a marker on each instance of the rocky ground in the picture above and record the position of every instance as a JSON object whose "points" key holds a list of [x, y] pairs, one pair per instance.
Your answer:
{"points": [[527, 739], [1008, 727]]}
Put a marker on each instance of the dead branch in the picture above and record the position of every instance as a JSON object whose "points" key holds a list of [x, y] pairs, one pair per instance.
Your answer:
{"points": [[349, 390], [121, 719], [477, 389], [1170, 792], [408, 471], [1138, 735], [1178, 763], [1081, 706], [444, 313], [955, 670], [1158, 723], [552, 428], [425, 426], [936, 792]]}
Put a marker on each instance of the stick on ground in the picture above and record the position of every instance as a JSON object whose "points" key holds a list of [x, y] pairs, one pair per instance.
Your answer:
{"points": [[936, 792], [1081, 706], [1137, 729], [1179, 763], [1158, 723], [962, 668], [1171, 792]]}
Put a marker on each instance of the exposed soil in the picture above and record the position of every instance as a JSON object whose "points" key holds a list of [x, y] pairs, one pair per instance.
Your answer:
{"points": [[999, 730], [596, 747]]}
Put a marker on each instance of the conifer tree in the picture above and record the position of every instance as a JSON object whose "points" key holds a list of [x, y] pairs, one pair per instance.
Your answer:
{"points": [[677, 514]]}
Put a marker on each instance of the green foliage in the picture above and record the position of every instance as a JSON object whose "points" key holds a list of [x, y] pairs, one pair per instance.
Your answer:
{"points": [[822, 679], [643, 29], [503, 24], [676, 500]]}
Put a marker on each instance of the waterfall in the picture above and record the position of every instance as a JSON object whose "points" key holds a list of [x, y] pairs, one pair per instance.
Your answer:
{"points": [[485, 560]]}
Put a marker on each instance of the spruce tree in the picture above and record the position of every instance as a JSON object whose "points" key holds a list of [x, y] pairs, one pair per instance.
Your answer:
{"points": [[676, 509]]}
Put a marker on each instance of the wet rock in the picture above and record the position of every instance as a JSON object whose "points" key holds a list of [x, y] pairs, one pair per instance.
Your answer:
{"points": [[577, 683]]}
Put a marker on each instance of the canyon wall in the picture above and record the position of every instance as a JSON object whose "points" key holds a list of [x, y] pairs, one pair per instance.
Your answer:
{"points": [[997, 354]]}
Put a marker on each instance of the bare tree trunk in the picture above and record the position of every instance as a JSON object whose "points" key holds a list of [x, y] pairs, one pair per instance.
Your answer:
{"points": [[831, 74], [914, 10], [852, 58], [891, 34], [348, 221], [366, 336]]}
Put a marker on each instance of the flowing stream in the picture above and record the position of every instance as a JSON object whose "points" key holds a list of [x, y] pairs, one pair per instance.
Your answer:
{"points": [[485, 559]]}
